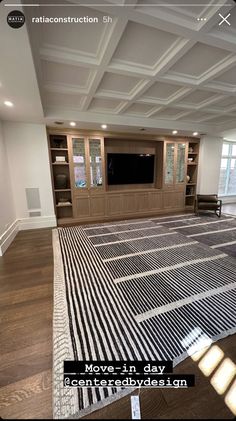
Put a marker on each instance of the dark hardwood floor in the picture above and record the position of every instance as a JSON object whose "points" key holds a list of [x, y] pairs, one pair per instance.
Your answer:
{"points": [[26, 299], [26, 291]]}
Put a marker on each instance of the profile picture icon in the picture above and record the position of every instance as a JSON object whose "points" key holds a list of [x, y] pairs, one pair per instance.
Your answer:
{"points": [[16, 19]]}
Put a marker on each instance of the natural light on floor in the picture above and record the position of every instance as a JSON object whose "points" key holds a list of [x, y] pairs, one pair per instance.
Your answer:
{"points": [[214, 364]]}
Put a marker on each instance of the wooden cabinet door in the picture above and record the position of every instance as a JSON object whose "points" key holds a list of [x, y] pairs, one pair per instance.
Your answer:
{"points": [[129, 203], [78, 165], [181, 163], [82, 207], [114, 204], [169, 164], [173, 200], [97, 205], [95, 147]]}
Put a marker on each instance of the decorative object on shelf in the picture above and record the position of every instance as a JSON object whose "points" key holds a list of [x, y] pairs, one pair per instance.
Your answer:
{"points": [[61, 181], [80, 183], [188, 178], [60, 159], [64, 203], [58, 143], [190, 160], [62, 200], [189, 191], [190, 150]]}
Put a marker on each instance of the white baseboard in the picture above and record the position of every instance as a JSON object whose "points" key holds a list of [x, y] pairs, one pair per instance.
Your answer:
{"points": [[8, 236], [25, 224], [37, 222]]}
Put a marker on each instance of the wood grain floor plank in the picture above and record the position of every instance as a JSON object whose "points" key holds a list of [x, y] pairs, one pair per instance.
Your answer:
{"points": [[27, 398]]}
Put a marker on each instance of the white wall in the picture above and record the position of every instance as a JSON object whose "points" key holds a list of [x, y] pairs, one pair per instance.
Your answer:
{"points": [[28, 159], [7, 209], [209, 164]]}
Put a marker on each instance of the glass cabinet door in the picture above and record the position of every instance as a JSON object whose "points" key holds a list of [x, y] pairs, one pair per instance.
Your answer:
{"points": [[169, 164], [79, 160], [95, 159], [180, 165]]}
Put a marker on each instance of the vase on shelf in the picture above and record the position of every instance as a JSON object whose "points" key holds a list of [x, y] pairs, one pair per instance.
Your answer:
{"points": [[187, 178], [61, 181]]}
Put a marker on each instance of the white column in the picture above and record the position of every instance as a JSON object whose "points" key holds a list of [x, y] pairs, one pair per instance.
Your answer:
{"points": [[209, 165]]}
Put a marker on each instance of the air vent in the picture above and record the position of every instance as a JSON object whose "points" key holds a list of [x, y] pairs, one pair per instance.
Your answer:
{"points": [[33, 198], [32, 214]]}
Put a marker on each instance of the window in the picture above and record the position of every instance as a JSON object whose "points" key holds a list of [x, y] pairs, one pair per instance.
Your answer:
{"points": [[227, 185]]}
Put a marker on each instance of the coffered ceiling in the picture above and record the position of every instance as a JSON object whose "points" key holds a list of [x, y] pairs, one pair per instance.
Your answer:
{"points": [[153, 65]]}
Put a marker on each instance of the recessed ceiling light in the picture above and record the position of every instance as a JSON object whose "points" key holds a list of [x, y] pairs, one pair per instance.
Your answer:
{"points": [[195, 133], [174, 131], [8, 103], [72, 123], [104, 126]]}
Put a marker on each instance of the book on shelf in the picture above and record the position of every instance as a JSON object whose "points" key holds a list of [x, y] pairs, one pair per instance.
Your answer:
{"points": [[64, 203]]}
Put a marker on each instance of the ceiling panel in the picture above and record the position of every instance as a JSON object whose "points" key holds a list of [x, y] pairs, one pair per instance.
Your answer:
{"points": [[108, 105], [143, 45], [62, 100], [168, 113], [228, 77], [83, 37], [221, 119], [189, 8], [112, 82], [161, 90], [224, 103], [199, 59], [197, 97], [139, 109], [61, 73], [196, 116]]}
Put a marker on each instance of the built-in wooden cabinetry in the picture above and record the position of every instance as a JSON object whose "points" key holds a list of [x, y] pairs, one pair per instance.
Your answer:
{"points": [[192, 169], [60, 171], [175, 156], [87, 172], [85, 195]]}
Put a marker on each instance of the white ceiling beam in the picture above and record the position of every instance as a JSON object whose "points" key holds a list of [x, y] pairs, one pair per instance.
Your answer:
{"points": [[115, 36], [124, 120]]}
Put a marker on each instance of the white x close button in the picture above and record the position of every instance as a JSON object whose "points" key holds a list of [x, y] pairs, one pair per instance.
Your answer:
{"points": [[224, 19]]}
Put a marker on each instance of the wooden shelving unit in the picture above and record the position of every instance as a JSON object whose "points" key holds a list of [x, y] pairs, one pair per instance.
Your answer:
{"points": [[192, 168], [58, 147], [86, 196]]}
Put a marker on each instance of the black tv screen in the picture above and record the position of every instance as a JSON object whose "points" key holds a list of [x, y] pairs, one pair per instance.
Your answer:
{"points": [[124, 168]]}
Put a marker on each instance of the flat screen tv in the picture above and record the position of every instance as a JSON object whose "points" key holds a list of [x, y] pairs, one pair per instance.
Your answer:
{"points": [[124, 168]]}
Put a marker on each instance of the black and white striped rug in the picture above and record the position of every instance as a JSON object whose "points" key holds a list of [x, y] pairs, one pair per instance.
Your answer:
{"points": [[139, 290]]}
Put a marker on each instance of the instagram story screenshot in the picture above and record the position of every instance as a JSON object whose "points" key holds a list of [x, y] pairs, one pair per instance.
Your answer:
{"points": [[118, 209]]}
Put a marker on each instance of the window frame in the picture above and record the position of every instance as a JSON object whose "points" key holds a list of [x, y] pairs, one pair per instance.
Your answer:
{"points": [[229, 157]]}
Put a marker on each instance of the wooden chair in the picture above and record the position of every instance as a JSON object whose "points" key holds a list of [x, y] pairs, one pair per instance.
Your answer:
{"points": [[208, 202]]}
